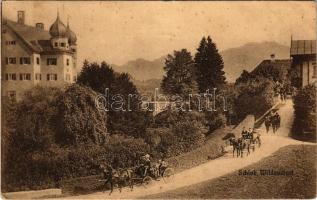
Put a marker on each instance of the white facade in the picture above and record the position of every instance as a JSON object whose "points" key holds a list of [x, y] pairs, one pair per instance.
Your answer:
{"points": [[30, 58]]}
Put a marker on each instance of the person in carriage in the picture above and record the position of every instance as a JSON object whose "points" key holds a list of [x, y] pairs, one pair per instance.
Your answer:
{"points": [[162, 166], [146, 163], [244, 133], [250, 134]]}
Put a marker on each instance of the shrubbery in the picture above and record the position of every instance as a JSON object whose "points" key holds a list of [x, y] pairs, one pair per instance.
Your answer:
{"points": [[255, 97], [305, 112], [176, 132], [49, 136]]}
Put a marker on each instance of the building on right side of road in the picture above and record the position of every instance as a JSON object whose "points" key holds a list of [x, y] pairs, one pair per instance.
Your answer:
{"points": [[303, 54]]}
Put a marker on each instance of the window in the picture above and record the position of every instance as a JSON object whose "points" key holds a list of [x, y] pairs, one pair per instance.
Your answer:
{"points": [[25, 60], [67, 77], [63, 44], [10, 42], [56, 44], [75, 78], [67, 62], [52, 77], [314, 70], [11, 60], [38, 76], [25, 77], [12, 94], [37, 60], [11, 77], [51, 61]]}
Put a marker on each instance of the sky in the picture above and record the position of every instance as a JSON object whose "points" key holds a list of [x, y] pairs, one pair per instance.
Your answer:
{"points": [[121, 31]]}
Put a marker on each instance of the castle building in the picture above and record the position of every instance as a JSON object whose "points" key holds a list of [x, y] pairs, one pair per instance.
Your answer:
{"points": [[303, 54], [33, 56]]}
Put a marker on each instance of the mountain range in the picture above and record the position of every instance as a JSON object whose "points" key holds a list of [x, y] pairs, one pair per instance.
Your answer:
{"points": [[245, 57]]}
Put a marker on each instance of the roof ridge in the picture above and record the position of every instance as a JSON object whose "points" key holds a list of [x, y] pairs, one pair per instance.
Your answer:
{"points": [[21, 38], [25, 25]]}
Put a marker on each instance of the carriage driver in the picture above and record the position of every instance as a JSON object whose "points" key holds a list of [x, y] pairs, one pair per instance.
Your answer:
{"points": [[244, 133], [162, 166], [146, 162], [250, 134]]}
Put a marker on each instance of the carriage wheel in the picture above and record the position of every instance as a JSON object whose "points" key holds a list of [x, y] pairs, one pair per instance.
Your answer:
{"points": [[168, 173], [147, 180]]}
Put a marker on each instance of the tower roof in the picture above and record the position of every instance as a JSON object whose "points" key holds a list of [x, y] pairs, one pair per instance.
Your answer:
{"points": [[71, 35], [58, 29]]}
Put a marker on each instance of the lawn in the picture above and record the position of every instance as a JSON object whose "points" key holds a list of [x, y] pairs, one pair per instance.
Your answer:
{"points": [[302, 184]]}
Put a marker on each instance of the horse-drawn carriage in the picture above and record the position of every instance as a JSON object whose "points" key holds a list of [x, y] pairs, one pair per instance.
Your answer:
{"points": [[146, 175], [245, 143], [140, 174]]}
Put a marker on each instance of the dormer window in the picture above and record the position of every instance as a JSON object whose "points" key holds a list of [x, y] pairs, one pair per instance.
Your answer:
{"points": [[56, 44], [63, 44]]}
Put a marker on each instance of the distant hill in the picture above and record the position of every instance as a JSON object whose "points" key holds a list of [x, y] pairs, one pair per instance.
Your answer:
{"points": [[141, 69], [147, 87], [236, 59], [248, 56]]}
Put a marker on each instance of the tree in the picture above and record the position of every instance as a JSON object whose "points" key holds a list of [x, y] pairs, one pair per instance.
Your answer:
{"points": [[244, 77], [180, 75], [255, 97], [305, 112], [78, 120], [209, 66], [98, 77], [130, 120]]}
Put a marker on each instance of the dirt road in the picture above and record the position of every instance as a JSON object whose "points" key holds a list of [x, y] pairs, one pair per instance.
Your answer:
{"points": [[215, 168]]}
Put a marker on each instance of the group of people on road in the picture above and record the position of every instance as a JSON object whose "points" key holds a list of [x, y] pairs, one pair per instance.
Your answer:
{"points": [[247, 134], [283, 93], [283, 89], [272, 120], [157, 168]]}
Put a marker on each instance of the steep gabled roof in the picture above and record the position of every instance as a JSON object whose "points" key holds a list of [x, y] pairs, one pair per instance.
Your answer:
{"points": [[28, 34], [303, 47], [276, 63], [36, 39]]}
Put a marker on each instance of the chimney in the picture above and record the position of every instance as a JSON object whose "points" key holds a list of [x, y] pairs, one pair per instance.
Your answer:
{"points": [[273, 57], [39, 26], [21, 17]]}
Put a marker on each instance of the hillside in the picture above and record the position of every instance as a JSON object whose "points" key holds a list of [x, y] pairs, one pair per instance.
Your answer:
{"points": [[299, 159], [248, 56], [141, 69], [235, 59], [147, 87]]}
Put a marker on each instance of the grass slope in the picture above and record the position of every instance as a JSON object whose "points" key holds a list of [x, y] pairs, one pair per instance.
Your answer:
{"points": [[299, 158]]}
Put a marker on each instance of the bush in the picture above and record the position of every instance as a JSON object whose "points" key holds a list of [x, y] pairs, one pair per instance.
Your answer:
{"points": [[255, 97], [78, 120], [305, 112], [33, 137], [176, 132]]}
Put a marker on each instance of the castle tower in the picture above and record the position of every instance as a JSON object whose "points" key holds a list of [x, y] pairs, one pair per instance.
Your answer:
{"points": [[58, 32]]}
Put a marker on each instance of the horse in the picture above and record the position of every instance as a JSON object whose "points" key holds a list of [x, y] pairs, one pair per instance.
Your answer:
{"points": [[245, 144], [257, 140], [236, 146], [239, 145], [118, 177]]}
